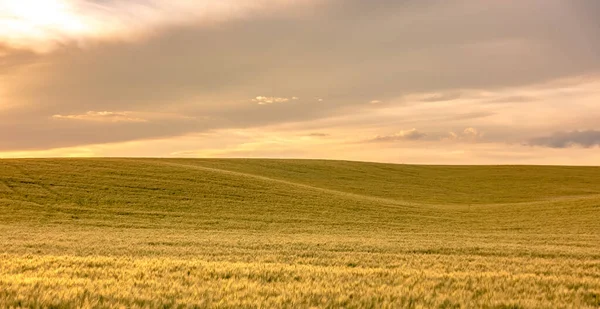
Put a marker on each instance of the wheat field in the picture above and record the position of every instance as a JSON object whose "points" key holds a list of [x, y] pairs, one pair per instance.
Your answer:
{"points": [[241, 233]]}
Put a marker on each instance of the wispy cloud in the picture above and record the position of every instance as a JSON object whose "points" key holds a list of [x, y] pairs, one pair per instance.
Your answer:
{"points": [[104, 116], [513, 99], [262, 100], [468, 134], [128, 116], [411, 135], [440, 97], [318, 134]]}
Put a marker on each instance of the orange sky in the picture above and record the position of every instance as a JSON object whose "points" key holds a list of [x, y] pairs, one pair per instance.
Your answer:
{"points": [[448, 82]]}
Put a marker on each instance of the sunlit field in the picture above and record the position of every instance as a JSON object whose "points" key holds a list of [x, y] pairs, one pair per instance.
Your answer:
{"points": [[175, 233]]}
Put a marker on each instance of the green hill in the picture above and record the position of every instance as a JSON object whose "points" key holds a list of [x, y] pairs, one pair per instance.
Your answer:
{"points": [[296, 233]]}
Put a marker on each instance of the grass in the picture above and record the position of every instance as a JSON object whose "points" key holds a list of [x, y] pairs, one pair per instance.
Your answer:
{"points": [[177, 233]]}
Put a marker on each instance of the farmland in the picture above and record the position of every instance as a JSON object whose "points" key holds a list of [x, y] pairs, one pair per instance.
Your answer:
{"points": [[242, 233]]}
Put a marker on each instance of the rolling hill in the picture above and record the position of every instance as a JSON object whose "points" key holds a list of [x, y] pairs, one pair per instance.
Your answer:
{"points": [[251, 233]]}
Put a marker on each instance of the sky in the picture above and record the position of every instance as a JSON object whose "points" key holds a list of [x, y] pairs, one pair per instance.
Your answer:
{"points": [[401, 81]]}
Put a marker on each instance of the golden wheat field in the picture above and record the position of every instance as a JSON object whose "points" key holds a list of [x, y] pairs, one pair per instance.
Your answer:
{"points": [[238, 233]]}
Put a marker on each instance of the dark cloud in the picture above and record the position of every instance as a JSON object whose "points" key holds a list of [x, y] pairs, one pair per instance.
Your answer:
{"points": [[589, 138]]}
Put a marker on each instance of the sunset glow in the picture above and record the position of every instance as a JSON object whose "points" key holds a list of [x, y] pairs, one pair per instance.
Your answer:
{"points": [[393, 82], [26, 23]]}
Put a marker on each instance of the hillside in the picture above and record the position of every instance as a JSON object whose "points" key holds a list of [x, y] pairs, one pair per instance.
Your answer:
{"points": [[296, 233]]}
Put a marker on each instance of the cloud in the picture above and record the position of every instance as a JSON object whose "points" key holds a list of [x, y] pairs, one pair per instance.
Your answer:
{"points": [[410, 135], [318, 134], [261, 100], [11, 58], [513, 99], [440, 97], [102, 117], [468, 135], [586, 139], [44, 25], [345, 53], [471, 132], [375, 102], [279, 143]]}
